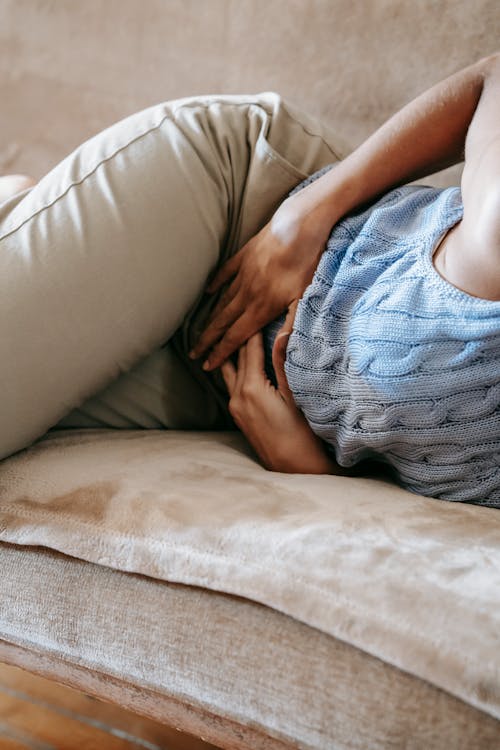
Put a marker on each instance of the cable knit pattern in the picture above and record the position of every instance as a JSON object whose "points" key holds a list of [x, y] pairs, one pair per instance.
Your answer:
{"points": [[388, 360]]}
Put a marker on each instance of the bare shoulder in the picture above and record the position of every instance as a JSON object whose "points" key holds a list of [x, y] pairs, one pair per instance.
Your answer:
{"points": [[485, 125], [470, 255]]}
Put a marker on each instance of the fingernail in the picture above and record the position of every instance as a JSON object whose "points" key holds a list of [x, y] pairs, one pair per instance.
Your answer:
{"points": [[192, 354], [205, 365]]}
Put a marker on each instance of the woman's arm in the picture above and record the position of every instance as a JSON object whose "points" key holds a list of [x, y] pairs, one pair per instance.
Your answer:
{"points": [[276, 265], [470, 257], [427, 135], [268, 417]]}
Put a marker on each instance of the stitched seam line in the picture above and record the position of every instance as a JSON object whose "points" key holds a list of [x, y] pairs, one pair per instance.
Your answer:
{"points": [[206, 105], [277, 159], [79, 182], [253, 103]]}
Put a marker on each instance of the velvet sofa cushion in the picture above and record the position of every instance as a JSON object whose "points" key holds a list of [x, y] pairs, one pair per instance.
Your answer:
{"points": [[238, 673], [410, 580]]}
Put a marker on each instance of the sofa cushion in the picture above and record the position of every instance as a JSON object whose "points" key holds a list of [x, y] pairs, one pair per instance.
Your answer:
{"points": [[238, 673], [410, 580]]}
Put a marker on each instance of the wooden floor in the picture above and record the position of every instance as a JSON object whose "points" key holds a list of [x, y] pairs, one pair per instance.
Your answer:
{"points": [[38, 714]]}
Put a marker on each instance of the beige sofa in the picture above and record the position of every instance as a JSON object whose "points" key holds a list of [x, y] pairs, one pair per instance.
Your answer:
{"points": [[255, 609]]}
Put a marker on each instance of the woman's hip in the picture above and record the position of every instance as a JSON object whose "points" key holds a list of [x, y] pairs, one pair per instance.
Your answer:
{"points": [[108, 255]]}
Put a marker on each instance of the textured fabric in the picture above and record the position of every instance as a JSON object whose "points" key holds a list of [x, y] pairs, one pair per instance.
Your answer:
{"points": [[106, 259], [65, 74], [234, 659], [388, 360], [410, 580]]}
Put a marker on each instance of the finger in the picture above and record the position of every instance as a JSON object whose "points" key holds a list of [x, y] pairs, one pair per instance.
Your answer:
{"points": [[290, 316], [226, 297], [255, 356], [216, 319], [228, 371], [239, 332], [218, 326], [228, 269], [279, 352], [279, 357], [242, 367]]}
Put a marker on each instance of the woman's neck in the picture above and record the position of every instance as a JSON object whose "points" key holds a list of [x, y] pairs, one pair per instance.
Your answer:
{"points": [[470, 260]]}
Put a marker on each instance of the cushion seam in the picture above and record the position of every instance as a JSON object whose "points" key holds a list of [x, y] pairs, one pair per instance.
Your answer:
{"points": [[261, 106]]}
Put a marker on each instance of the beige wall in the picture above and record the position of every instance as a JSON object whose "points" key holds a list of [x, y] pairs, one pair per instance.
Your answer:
{"points": [[69, 68]]}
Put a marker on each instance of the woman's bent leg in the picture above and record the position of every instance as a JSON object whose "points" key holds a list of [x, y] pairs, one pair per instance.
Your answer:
{"points": [[99, 263], [160, 392], [103, 260]]}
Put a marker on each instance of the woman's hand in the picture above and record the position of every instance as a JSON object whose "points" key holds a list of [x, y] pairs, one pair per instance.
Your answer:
{"points": [[273, 425], [276, 265], [270, 271]]}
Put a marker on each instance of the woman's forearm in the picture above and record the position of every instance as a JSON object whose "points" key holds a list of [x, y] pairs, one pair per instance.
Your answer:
{"points": [[275, 266], [427, 135]]}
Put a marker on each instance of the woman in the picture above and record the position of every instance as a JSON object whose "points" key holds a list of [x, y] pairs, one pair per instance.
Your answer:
{"points": [[287, 257], [435, 419]]}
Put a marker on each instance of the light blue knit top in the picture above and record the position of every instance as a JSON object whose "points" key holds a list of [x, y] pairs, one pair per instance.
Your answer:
{"points": [[388, 360]]}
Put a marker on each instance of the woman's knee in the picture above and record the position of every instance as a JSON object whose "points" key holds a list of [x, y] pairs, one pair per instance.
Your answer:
{"points": [[11, 184], [101, 262]]}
